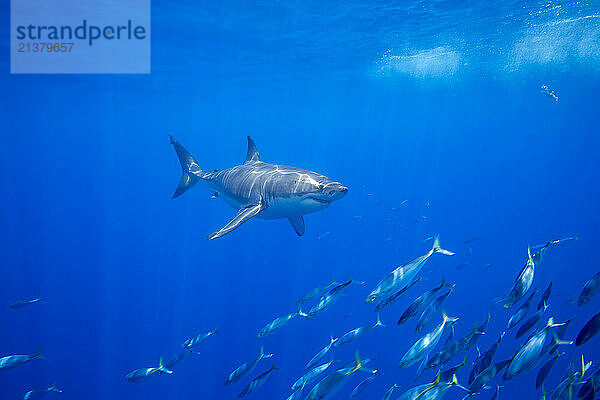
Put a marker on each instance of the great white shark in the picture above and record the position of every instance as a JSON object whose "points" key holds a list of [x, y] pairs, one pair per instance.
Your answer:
{"points": [[262, 190]]}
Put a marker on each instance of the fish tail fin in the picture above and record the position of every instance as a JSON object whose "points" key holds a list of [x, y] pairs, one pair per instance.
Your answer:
{"points": [[545, 306], [443, 282], [529, 255], [358, 364], [162, 368], [300, 312], [455, 383], [332, 340], [438, 249], [216, 330], [437, 379], [543, 391], [39, 353], [558, 341], [379, 323], [552, 324], [584, 366], [54, 388], [446, 318], [190, 170]]}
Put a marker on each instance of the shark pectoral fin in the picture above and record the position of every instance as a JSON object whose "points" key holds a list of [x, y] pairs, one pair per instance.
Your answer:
{"points": [[298, 224], [242, 216]]}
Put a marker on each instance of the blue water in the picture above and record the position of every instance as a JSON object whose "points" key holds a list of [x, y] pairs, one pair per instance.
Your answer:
{"points": [[431, 102]]}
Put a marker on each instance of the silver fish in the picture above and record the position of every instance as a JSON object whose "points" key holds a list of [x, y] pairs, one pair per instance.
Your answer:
{"points": [[24, 302], [522, 283], [313, 361], [546, 91], [438, 391], [485, 360], [448, 373], [420, 303], [142, 374], [246, 367], [328, 299], [9, 362], [590, 289], [404, 275], [589, 330], [363, 385], [545, 370], [518, 316], [566, 388], [279, 323], [487, 375], [356, 333], [173, 361], [37, 393], [388, 394], [453, 349], [431, 309], [530, 322], [309, 376], [314, 293], [410, 394], [296, 394], [423, 346], [527, 357], [332, 383], [545, 297], [257, 382], [386, 301], [198, 339]]}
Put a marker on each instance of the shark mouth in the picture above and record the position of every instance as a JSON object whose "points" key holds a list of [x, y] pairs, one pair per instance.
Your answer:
{"points": [[319, 200]]}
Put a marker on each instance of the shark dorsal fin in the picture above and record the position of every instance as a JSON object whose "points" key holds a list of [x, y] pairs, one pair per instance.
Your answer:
{"points": [[252, 154]]}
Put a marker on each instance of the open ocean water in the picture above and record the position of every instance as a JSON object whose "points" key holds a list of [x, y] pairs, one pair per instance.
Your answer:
{"points": [[430, 112]]}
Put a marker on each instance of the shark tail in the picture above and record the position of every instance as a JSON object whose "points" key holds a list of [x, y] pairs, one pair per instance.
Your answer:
{"points": [[190, 170]]}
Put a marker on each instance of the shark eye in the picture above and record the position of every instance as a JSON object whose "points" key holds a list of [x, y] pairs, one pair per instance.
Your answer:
{"points": [[320, 187]]}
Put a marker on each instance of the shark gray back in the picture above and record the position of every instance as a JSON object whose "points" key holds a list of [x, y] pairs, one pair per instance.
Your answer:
{"points": [[262, 190]]}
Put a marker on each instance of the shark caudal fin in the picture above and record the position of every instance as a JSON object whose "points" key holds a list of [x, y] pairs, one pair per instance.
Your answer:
{"points": [[190, 170]]}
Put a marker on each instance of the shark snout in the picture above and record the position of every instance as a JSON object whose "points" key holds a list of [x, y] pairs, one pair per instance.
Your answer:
{"points": [[336, 190]]}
